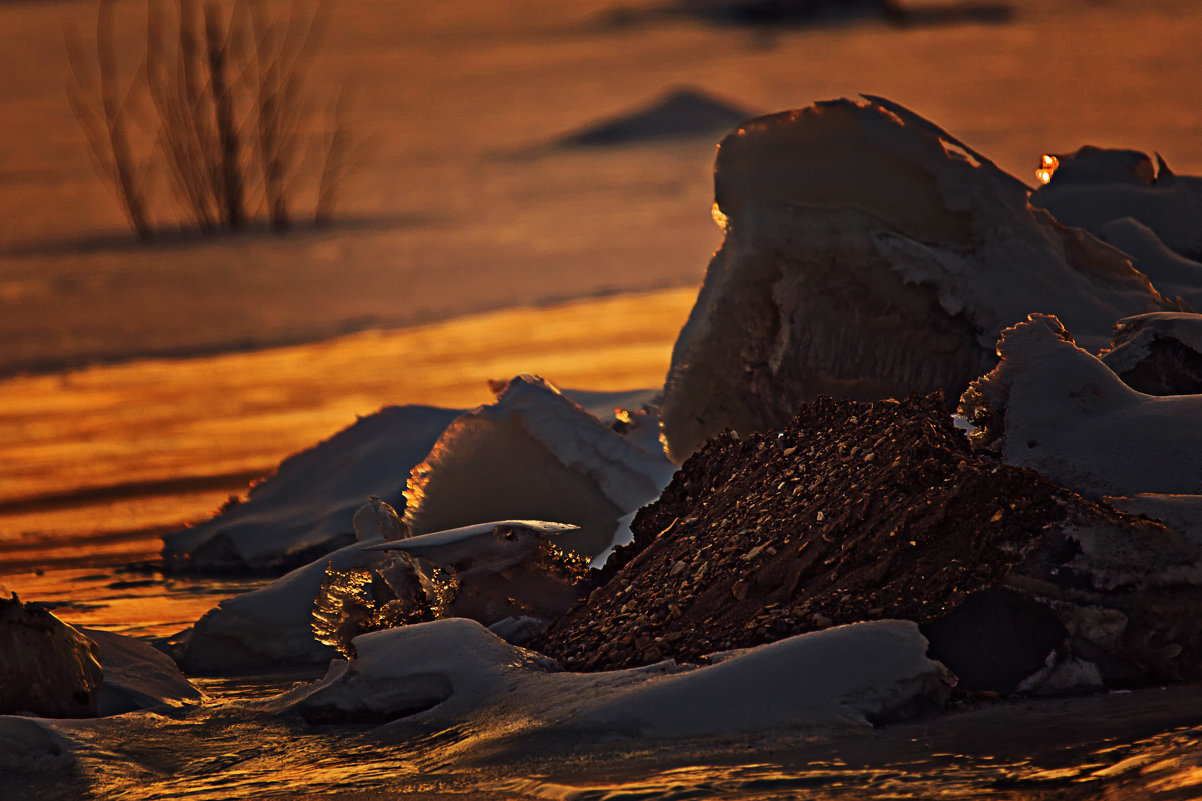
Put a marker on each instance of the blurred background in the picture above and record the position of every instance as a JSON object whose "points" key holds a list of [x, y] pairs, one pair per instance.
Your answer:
{"points": [[508, 158]]}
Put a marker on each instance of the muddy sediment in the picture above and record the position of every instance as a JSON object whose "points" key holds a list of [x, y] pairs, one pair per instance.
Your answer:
{"points": [[856, 511]]}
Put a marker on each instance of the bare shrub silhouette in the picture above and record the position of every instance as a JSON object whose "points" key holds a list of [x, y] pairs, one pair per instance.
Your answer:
{"points": [[235, 126]]}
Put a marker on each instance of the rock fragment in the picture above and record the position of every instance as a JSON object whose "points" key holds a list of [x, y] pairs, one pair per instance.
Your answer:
{"points": [[47, 668]]}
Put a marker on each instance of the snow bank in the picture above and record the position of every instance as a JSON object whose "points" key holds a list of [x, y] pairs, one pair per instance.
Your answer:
{"points": [[868, 254], [533, 454], [306, 508], [139, 676], [269, 626], [454, 673], [1158, 353], [27, 744], [1051, 406], [1094, 186]]}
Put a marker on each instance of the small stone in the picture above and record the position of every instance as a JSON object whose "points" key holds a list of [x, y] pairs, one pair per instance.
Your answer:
{"points": [[739, 590]]}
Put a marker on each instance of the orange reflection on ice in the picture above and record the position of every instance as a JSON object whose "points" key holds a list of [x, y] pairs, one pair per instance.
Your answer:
{"points": [[1047, 166]]}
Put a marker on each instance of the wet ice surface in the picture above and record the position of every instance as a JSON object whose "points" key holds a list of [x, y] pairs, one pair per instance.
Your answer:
{"points": [[1129, 745]]}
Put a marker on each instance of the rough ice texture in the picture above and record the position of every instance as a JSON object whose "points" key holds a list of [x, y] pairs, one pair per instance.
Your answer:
{"points": [[869, 254], [139, 676], [495, 570], [47, 668], [453, 673], [1158, 353], [305, 509], [1053, 407], [533, 454], [1094, 186], [267, 627], [881, 510], [490, 573]]}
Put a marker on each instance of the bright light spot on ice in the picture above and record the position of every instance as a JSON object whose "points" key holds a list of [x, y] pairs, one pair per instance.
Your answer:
{"points": [[1047, 166]]}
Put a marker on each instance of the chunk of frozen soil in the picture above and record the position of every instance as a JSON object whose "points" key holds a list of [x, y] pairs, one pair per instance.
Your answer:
{"points": [[861, 511], [869, 254]]}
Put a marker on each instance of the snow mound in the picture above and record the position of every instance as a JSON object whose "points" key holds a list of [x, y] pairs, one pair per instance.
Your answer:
{"points": [[27, 744], [454, 673], [680, 114], [139, 676], [870, 254], [1095, 185], [1053, 407], [269, 626], [1158, 353], [306, 508], [533, 454]]}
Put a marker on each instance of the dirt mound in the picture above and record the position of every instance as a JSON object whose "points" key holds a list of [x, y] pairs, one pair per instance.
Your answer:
{"points": [[857, 511]]}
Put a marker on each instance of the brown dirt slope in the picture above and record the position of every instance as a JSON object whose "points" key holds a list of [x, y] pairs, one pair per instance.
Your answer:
{"points": [[857, 511]]}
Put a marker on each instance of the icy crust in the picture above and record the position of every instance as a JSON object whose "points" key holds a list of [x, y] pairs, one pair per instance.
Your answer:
{"points": [[306, 508], [1053, 407], [1173, 274], [455, 674], [269, 626], [1180, 512], [139, 676], [869, 254], [533, 454], [1094, 186], [1158, 353], [506, 572], [29, 745]]}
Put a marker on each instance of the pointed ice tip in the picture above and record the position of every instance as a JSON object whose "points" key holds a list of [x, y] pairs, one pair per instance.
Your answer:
{"points": [[376, 521]]}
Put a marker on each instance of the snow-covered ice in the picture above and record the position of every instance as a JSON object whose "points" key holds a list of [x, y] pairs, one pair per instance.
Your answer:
{"points": [[533, 454], [1052, 406], [867, 254], [139, 676], [306, 508], [454, 673]]}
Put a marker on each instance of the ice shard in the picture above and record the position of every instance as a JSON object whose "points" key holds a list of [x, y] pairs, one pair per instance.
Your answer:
{"points": [[869, 254], [533, 454]]}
